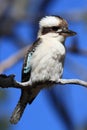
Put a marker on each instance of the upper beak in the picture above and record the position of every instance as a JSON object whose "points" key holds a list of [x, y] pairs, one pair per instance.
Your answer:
{"points": [[67, 32]]}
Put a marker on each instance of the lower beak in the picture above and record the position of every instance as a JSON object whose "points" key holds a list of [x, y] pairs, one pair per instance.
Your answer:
{"points": [[67, 32]]}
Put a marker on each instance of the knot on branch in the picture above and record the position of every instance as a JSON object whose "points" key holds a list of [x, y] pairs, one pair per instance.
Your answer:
{"points": [[6, 81]]}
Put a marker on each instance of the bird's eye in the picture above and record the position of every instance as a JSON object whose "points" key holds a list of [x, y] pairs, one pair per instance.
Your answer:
{"points": [[55, 28]]}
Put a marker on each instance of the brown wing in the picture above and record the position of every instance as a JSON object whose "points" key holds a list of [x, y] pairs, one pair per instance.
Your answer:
{"points": [[26, 96], [26, 70]]}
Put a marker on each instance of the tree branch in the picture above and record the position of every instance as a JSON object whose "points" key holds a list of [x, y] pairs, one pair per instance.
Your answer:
{"points": [[13, 59], [72, 81], [9, 81]]}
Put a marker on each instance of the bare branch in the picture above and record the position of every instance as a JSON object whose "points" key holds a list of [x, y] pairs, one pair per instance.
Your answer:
{"points": [[13, 59], [9, 81], [72, 81]]}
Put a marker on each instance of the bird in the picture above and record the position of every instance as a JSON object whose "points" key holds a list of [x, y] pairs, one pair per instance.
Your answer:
{"points": [[44, 60]]}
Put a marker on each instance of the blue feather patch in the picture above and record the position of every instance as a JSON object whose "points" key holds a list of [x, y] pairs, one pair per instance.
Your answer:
{"points": [[28, 67]]}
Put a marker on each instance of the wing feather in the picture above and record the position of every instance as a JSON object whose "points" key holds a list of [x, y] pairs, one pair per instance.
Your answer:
{"points": [[26, 70]]}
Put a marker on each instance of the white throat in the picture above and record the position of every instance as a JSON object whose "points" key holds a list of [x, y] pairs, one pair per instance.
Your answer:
{"points": [[49, 36]]}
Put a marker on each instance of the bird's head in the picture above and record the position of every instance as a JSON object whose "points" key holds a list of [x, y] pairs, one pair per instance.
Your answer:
{"points": [[54, 26]]}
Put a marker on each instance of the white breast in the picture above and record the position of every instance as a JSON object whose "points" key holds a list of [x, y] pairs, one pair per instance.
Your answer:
{"points": [[47, 61]]}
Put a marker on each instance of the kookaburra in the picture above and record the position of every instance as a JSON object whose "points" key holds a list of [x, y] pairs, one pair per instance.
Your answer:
{"points": [[44, 60]]}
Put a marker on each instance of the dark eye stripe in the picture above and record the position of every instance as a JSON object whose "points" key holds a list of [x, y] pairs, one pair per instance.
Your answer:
{"points": [[55, 28], [46, 30]]}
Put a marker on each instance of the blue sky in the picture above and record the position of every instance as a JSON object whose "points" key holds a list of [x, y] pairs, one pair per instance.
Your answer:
{"points": [[39, 115]]}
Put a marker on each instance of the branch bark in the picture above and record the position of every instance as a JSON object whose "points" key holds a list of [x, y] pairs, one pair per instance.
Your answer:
{"points": [[10, 82], [73, 81]]}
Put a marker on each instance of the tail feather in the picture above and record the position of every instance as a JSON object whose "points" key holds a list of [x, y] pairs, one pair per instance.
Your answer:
{"points": [[26, 97], [22, 103]]}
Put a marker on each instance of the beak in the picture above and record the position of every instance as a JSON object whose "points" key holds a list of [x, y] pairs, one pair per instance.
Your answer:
{"points": [[67, 32]]}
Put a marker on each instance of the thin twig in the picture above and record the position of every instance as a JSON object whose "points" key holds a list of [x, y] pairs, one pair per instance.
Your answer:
{"points": [[72, 81]]}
